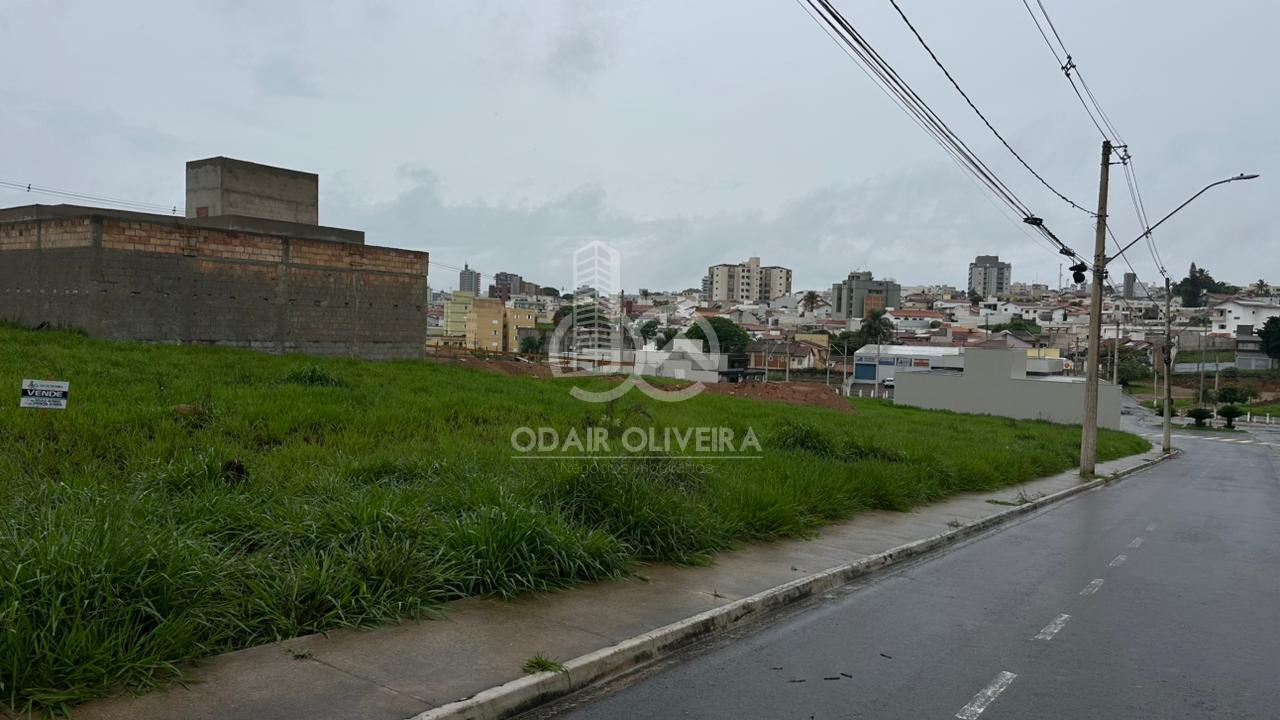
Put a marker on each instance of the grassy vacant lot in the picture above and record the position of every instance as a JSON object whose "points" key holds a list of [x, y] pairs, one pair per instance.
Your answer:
{"points": [[196, 500]]}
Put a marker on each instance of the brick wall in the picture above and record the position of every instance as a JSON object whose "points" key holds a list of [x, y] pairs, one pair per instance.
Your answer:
{"points": [[171, 282]]}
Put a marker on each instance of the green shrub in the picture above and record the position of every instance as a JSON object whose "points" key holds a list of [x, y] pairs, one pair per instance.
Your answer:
{"points": [[1199, 414], [1235, 394], [313, 376], [803, 437], [1230, 413]]}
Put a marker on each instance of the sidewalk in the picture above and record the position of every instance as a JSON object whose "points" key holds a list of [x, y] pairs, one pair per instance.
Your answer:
{"points": [[398, 671]]}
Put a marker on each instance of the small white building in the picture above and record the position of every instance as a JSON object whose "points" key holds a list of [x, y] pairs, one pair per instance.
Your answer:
{"points": [[1228, 315], [995, 382]]}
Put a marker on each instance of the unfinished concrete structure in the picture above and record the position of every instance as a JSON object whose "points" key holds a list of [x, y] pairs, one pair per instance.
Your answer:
{"points": [[251, 278], [995, 382]]}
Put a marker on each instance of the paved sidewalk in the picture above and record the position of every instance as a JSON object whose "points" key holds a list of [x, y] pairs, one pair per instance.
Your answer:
{"points": [[397, 671]]}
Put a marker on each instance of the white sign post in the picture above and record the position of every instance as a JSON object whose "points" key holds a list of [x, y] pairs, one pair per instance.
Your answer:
{"points": [[45, 394]]}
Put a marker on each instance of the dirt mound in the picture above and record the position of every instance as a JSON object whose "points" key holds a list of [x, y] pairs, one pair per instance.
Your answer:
{"points": [[793, 393]]}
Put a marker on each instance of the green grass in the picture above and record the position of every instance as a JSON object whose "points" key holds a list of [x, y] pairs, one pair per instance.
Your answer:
{"points": [[1272, 409], [198, 500], [540, 663]]}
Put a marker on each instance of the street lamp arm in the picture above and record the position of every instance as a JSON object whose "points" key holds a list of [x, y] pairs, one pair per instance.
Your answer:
{"points": [[1188, 201]]}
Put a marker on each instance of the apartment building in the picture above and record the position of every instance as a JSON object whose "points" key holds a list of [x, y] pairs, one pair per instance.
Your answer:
{"points": [[486, 329], [455, 313], [517, 319], [747, 282], [861, 294], [469, 280], [989, 277]]}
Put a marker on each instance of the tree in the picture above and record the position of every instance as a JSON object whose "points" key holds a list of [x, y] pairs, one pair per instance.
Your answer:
{"points": [[665, 335], [876, 328], [1017, 323], [1199, 414], [531, 344], [1230, 413], [548, 291], [846, 343], [648, 330], [1270, 334], [809, 302], [1259, 288], [1235, 394], [1196, 284], [560, 313], [1132, 370], [729, 335], [974, 297]]}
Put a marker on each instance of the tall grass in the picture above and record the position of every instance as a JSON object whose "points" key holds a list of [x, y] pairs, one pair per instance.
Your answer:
{"points": [[195, 500]]}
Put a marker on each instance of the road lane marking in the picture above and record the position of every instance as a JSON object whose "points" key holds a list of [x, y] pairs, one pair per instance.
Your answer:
{"points": [[1135, 542], [1048, 631], [1151, 527], [986, 695], [1118, 561], [1092, 587]]}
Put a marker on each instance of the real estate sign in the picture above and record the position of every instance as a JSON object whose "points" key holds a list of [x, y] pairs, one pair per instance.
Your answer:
{"points": [[45, 394]]}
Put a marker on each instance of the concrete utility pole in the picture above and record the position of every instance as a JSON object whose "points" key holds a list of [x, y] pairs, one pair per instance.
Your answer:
{"points": [[1168, 365], [1200, 397], [1089, 431], [1115, 360]]}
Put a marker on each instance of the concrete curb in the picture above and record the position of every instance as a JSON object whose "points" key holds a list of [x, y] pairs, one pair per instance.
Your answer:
{"points": [[530, 691]]}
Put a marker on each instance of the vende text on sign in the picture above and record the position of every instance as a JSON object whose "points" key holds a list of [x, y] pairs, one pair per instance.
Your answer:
{"points": [[45, 394]]}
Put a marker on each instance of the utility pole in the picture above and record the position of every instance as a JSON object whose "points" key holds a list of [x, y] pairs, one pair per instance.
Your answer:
{"points": [[1115, 361], [1089, 430], [1200, 397], [1168, 365]]}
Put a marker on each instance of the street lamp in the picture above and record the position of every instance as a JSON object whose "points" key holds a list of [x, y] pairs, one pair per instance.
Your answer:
{"points": [[1089, 432]]}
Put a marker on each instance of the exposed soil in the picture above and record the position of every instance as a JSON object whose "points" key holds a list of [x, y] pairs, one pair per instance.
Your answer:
{"points": [[800, 393], [793, 393]]}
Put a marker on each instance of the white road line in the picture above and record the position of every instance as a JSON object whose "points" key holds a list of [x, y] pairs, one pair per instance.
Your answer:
{"points": [[1151, 527], [1135, 542], [1092, 587], [1048, 631], [1118, 561], [986, 695]]}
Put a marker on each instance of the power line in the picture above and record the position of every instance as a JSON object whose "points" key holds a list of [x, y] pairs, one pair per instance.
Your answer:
{"points": [[1099, 118], [71, 194], [882, 73], [983, 117]]}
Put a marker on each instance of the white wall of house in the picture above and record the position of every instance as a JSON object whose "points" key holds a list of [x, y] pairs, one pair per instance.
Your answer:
{"points": [[995, 382], [1226, 316]]}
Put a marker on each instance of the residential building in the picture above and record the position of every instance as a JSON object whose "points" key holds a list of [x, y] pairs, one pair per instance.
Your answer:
{"points": [[988, 276], [485, 328], [455, 313], [1130, 283], [505, 285], [860, 294], [747, 282], [995, 382], [469, 280], [914, 319], [517, 319], [1249, 354], [1228, 315]]}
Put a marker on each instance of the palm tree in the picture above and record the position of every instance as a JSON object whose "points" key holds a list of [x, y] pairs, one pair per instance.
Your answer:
{"points": [[1259, 288], [809, 302], [876, 328]]}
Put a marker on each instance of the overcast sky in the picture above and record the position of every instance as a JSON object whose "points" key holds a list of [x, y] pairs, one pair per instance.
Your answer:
{"points": [[506, 133]]}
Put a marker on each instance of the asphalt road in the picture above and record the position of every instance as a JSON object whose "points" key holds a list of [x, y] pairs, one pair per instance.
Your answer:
{"points": [[1157, 597]]}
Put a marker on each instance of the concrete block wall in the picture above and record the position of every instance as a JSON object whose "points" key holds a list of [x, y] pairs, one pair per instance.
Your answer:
{"points": [[173, 282]]}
